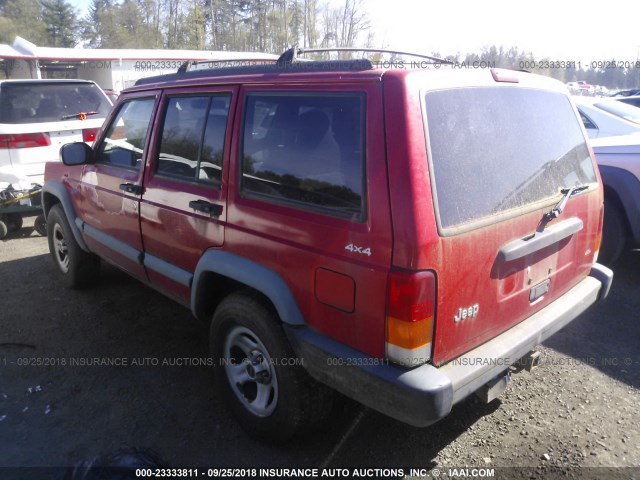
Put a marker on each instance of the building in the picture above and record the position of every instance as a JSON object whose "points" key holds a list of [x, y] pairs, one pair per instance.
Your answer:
{"points": [[112, 69]]}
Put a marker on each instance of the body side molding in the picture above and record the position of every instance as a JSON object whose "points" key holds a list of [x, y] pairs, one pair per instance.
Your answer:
{"points": [[168, 270]]}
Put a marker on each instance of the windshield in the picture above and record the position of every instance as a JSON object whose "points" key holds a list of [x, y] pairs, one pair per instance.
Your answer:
{"points": [[493, 149], [35, 102], [622, 110]]}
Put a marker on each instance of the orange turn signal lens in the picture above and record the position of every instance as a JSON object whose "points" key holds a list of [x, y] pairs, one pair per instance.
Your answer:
{"points": [[409, 335]]}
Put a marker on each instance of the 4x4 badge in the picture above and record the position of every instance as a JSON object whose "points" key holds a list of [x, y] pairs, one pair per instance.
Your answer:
{"points": [[468, 312], [356, 249]]}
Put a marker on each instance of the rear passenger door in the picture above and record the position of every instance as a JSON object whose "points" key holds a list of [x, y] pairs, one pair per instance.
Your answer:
{"points": [[183, 208]]}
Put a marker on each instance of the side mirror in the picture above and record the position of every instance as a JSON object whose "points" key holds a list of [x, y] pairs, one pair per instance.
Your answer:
{"points": [[78, 153]]}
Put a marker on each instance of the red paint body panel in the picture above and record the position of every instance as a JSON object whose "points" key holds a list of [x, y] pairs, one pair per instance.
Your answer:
{"points": [[112, 211], [295, 243]]}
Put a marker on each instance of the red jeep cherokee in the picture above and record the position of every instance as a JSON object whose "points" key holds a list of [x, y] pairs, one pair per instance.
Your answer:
{"points": [[400, 236]]}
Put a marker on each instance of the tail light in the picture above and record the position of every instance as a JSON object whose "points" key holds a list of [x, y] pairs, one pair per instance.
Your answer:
{"points": [[410, 317], [24, 140], [596, 249], [89, 134]]}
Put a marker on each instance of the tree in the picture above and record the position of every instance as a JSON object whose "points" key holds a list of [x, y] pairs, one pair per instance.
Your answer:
{"points": [[24, 18], [96, 24], [61, 23]]}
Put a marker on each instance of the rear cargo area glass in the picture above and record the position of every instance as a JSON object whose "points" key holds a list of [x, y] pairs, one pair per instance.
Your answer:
{"points": [[43, 101], [493, 149]]}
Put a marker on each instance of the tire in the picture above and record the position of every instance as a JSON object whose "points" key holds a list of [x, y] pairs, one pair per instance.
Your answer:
{"points": [[13, 221], [40, 225], [79, 269], [614, 233], [272, 398], [3, 230]]}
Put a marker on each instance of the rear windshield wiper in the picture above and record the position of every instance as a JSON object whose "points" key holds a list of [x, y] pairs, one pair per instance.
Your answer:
{"points": [[567, 194], [80, 115]]}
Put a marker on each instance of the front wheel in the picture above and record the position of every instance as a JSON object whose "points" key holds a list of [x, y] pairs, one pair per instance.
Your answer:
{"points": [[262, 381], [78, 268]]}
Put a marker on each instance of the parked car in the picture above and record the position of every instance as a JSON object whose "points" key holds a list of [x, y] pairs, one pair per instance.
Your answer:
{"points": [[113, 96], [38, 116], [574, 88], [604, 117], [585, 88], [343, 227], [619, 161], [627, 93], [631, 100]]}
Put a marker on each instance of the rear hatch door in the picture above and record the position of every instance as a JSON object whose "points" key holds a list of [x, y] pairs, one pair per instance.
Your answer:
{"points": [[501, 158]]}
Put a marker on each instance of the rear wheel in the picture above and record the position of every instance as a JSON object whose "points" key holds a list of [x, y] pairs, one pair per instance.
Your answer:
{"points": [[262, 381], [3, 230], [614, 233], [78, 268]]}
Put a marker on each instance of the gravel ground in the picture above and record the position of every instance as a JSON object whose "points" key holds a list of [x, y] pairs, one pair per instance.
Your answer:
{"points": [[577, 415]]}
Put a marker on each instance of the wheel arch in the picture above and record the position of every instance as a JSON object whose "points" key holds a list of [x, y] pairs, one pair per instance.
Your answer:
{"points": [[220, 273], [54, 193], [623, 188]]}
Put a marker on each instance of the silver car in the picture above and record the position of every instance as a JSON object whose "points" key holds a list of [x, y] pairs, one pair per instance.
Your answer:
{"points": [[604, 117], [619, 161]]}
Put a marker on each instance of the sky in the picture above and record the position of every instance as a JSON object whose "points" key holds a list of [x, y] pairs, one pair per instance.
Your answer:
{"points": [[578, 31], [561, 30]]}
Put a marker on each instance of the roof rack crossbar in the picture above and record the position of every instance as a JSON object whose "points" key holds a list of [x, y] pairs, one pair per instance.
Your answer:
{"points": [[186, 64], [298, 51]]}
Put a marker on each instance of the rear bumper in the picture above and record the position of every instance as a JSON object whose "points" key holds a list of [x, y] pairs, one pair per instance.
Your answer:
{"points": [[423, 395]]}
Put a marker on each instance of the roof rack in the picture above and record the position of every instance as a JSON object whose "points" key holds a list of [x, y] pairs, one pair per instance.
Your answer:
{"points": [[289, 61], [248, 67], [291, 55]]}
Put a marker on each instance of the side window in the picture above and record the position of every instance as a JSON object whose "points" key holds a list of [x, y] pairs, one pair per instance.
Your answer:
{"points": [[124, 141], [588, 124], [306, 151], [192, 141]]}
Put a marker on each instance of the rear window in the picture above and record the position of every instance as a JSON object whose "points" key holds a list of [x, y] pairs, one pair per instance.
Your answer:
{"points": [[494, 149], [622, 110], [50, 102]]}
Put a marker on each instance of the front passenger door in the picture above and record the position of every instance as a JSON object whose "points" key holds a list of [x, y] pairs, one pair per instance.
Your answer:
{"points": [[112, 186]]}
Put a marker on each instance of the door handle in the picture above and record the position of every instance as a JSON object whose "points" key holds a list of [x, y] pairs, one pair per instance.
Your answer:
{"points": [[131, 188], [203, 206]]}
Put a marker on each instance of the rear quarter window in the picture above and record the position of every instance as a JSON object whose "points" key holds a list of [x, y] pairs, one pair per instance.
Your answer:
{"points": [[306, 151], [495, 149]]}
